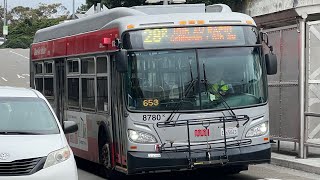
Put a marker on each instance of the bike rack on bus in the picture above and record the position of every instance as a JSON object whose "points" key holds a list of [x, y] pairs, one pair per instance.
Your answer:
{"points": [[205, 122]]}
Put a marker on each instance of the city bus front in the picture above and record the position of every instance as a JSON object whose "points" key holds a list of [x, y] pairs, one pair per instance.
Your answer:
{"points": [[195, 97]]}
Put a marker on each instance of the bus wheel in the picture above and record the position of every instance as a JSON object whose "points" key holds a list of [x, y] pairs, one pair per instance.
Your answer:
{"points": [[106, 161], [106, 170], [104, 155]]}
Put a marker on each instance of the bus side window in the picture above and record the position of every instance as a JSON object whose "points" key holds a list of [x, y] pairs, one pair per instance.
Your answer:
{"points": [[102, 84], [88, 83], [48, 90], [38, 76], [73, 92], [39, 84], [73, 84]]}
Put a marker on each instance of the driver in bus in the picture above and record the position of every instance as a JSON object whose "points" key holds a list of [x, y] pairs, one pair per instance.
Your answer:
{"points": [[216, 85]]}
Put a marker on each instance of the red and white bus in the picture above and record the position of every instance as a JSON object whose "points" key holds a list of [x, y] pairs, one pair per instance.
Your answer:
{"points": [[138, 83]]}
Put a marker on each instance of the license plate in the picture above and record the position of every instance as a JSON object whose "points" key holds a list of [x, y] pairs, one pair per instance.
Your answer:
{"points": [[230, 131]]}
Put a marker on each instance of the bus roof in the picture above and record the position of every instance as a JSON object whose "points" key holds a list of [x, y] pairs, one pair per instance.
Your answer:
{"points": [[83, 25], [140, 17]]}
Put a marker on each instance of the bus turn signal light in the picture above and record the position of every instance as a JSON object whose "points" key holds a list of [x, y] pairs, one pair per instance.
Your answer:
{"points": [[133, 147]]}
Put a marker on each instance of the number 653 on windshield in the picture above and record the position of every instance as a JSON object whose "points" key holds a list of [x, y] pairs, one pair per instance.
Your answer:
{"points": [[150, 102]]}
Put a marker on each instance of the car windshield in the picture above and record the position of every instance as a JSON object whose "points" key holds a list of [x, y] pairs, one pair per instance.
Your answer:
{"points": [[26, 116], [197, 79]]}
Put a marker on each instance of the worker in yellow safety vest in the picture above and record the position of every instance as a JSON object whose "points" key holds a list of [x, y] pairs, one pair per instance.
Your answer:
{"points": [[216, 85]]}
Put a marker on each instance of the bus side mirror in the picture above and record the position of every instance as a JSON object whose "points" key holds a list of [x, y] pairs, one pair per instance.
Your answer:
{"points": [[271, 63], [70, 127], [122, 61]]}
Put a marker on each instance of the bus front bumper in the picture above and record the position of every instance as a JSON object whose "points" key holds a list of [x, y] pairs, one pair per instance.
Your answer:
{"points": [[141, 162]]}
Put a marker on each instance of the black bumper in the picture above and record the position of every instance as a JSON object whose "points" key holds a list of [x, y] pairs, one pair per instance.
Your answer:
{"points": [[139, 162]]}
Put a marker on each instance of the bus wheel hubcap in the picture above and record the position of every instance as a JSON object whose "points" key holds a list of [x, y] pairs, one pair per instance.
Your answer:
{"points": [[106, 156]]}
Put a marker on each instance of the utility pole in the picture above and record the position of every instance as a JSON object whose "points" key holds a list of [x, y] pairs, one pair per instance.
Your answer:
{"points": [[74, 11], [5, 28], [165, 2]]}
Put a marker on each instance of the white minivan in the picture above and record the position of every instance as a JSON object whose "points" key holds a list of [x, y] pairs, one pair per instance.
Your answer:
{"points": [[33, 145]]}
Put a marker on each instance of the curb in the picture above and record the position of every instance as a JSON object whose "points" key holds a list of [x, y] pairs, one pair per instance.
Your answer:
{"points": [[307, 165]]}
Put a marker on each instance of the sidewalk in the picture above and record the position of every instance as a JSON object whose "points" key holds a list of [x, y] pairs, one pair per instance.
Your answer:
{"points": [[287, 157]]}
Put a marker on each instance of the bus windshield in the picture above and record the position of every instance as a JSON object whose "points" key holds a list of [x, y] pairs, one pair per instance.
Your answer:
{"points": [[197, 79]]}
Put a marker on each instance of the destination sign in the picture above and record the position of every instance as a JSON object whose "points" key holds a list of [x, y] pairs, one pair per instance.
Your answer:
{"points": [[182, 37]]}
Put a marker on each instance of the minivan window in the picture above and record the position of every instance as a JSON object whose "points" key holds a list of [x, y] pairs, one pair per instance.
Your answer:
{"points": [[26, 116]]}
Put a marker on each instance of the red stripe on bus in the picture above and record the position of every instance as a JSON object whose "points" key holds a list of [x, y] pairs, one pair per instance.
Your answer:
{"points": [[93, 151], [75, 45]]}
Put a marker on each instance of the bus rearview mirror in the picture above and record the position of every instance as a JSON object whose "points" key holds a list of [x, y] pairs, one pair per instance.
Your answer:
{"points": [[122, 61], [271, 63], [70, 127]]}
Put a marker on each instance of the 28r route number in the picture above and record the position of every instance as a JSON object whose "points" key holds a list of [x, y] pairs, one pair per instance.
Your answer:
{"points": [[153, 117]]}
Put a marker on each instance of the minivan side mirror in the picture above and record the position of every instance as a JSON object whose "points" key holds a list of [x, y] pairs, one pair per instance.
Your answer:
{"points": [[122, 61], [70, 127], [271, 63]]}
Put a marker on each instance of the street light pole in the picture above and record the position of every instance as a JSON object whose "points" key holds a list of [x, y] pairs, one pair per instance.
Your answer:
{"points": [[73, 14], [4, 18]]}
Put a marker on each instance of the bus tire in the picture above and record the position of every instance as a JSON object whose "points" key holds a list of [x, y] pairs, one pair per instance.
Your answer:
{"points": [[106, 157], [104, 154]]}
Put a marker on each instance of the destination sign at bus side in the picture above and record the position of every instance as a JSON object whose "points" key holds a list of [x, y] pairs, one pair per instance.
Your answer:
{"points": [[74, 45]]}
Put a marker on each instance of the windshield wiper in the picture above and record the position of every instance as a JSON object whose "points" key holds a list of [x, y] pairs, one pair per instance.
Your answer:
{"points": [[188, 89], [224, 102], [19, 133]]}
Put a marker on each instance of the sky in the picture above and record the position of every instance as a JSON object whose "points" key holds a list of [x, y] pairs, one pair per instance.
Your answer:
{"points": [[34, 3]]}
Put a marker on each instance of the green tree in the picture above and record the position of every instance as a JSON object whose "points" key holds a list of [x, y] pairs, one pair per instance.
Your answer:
{"points": [[51, 10], [83, 8], [234, 4], [116, 3], [44, 11], [25, 21]]}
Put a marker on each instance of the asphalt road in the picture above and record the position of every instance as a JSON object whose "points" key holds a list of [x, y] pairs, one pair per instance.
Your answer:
{"points": [[255, 172], [14, 67]]}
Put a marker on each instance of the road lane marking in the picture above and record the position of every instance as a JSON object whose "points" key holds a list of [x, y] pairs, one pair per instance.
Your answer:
{"points": [[4, 79], [19, 54], [20, 76]]}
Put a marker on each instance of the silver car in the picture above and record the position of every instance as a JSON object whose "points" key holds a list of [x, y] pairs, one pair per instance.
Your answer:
{"points": [[32, 142]]}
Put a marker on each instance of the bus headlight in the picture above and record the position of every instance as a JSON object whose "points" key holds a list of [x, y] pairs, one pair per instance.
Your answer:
{"points": [[141, 137], [258, 130], [57, 157]]}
